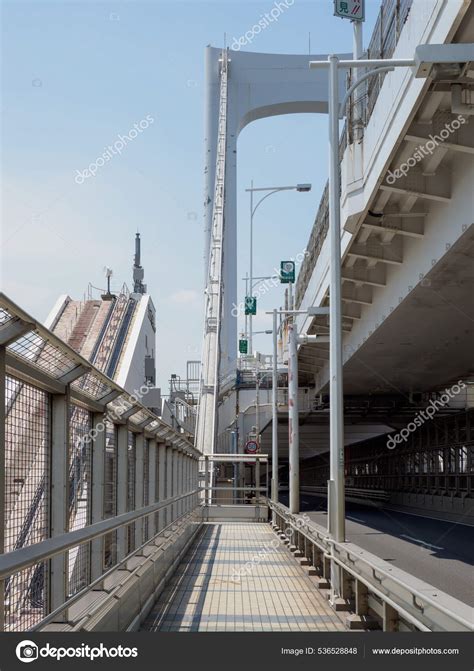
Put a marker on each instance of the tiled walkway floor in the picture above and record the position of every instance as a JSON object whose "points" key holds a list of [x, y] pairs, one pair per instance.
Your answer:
{"points": [[272, 593]]}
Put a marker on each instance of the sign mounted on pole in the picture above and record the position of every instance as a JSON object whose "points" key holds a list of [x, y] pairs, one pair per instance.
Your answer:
{"points": [[287, 272], [251, 447], [243, 346], [350, 9], [250, 305]]}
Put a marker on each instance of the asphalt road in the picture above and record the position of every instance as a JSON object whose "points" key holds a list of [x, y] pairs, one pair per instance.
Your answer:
{"points": [[440, 553]]}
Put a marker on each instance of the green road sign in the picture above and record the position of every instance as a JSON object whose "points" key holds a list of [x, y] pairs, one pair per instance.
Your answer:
{"points": [[244, 346], [287, 272], [250, 305], [350, 9]]}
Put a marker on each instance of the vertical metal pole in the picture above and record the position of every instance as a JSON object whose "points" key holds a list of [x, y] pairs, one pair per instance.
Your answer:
{"points": [[293, 420], [175, 482], [59, 496], [257, 404], [2, 479], [257, 479], [246, 316], [180, 481], [251, 268], [357, 72], [169, 482], [139, 455], [122, 487], [160, 494], [274, 487], [97, 495], [153, 475], [337, 513], [207, 493]]}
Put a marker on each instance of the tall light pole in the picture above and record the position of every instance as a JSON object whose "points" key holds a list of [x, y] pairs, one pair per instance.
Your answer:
{"points": [[269, 190], [425, 55]]}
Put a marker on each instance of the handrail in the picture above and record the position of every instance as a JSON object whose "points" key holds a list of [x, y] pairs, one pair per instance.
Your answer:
{"points": [[51, 616], [15, 561], [327, 545]]}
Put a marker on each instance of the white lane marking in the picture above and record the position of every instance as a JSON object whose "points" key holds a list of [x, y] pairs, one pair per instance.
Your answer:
{"points": [[355, 519], [417, 540], [429, 517]]}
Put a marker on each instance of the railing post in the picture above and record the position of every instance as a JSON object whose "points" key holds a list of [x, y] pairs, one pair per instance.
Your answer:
{"points": [[186, 488], [257, 480], [175, 459], [390, 618], [2, 479], [361, 598], [97, 491], [139, 472], [152, 485], [59, 499], [161, 491], [169, 482], [122, 487], [181, 481], [207, 493]]}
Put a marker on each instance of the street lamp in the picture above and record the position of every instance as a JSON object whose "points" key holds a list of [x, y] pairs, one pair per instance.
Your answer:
{"points": [[269, 190], [426, 57]]}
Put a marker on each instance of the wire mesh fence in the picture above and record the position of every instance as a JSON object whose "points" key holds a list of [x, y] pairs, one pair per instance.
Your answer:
{"points": [[110, 492], [27, 475], [80, 477]]}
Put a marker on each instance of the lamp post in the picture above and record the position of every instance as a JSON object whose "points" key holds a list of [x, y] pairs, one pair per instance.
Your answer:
{"points": [[425, 57], [269, 190], [294, 339]]}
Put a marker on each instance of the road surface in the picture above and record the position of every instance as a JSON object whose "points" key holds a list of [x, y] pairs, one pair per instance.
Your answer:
{"points": [[438, 552]]}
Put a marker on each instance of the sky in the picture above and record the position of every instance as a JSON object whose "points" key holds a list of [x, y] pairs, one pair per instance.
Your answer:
{"points": [[75, 77]]}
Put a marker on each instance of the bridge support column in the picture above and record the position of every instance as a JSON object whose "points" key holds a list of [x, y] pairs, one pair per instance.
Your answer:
{"points": [[152, 485], [59, 498], [97, 493], [122, 487], [139, 473]]}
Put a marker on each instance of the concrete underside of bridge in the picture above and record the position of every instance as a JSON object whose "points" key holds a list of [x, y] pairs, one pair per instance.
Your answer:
{"points": [[426, 342]]}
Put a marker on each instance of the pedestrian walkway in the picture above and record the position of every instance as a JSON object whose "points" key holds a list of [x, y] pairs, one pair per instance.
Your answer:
{"points": [[240, 577]]}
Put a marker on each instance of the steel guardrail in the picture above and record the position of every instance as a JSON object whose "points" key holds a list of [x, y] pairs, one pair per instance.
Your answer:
{"points": [[417, 606]]}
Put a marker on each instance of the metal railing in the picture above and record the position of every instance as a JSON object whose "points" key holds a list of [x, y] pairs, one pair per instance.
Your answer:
{"points": [[377, 592], [74, 503]]}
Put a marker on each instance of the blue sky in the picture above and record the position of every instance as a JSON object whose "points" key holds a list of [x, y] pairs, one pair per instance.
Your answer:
{"points": [[75, 76]]}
